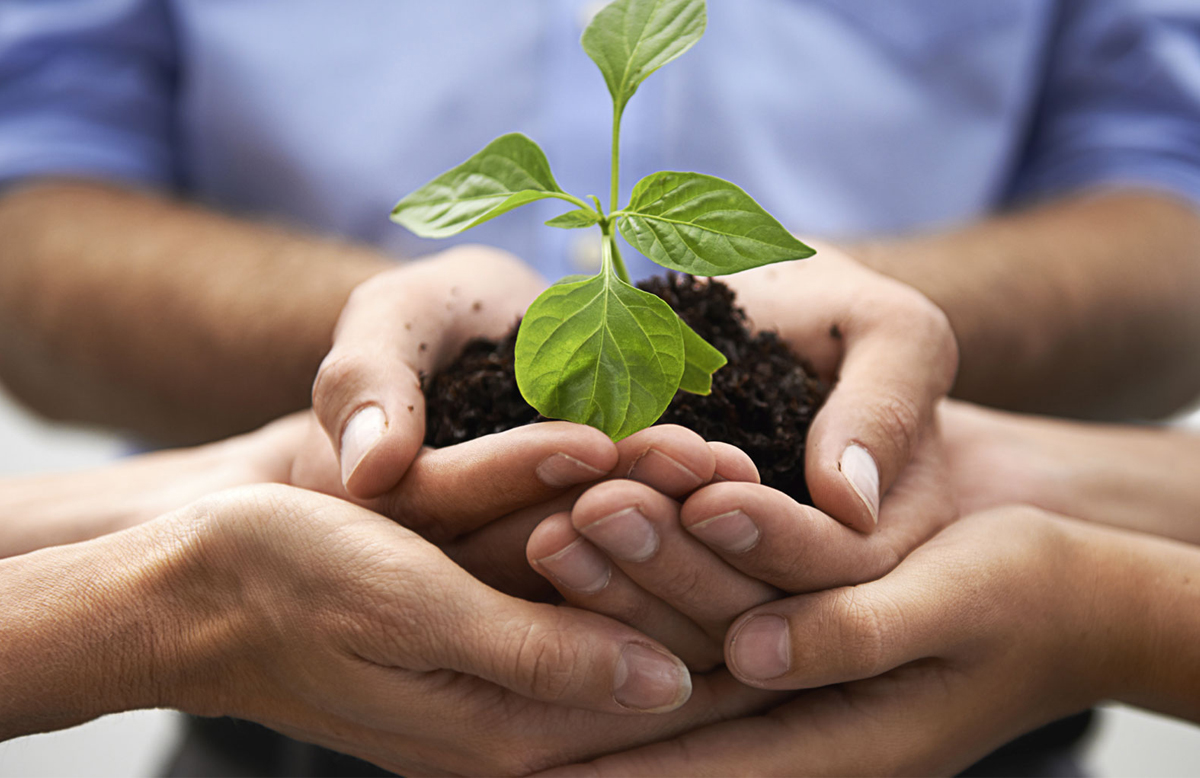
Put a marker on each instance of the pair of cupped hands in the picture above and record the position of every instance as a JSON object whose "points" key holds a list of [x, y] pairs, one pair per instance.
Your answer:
{"points": [[544, 596]]}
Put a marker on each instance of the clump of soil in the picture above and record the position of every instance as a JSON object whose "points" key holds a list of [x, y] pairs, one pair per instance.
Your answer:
{"points": [[762, 401]]}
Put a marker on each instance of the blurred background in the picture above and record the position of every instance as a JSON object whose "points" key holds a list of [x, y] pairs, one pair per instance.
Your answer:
{"points": [[1126, 742]]}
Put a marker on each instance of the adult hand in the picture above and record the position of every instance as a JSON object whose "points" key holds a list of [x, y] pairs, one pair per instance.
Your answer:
{"points": [[1005, 621], [517, 479], [892, 354], [335, 625], [396, 326], [683, 573]]}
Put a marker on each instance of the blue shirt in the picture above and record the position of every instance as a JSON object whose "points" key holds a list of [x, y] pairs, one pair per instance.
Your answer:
{"points": [[842, 117]]}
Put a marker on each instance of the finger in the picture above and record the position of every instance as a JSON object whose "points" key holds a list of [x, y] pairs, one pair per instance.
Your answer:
{"points": [[900, 359], [451, 491], [770, 537], [732, 464], [857, 632], [367, 394], [495, 553], [639, 530], [549, 653], [671, 458], [916, 720], [394, 327], [586, 579]]}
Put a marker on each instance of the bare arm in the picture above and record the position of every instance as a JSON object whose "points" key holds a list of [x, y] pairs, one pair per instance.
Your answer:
{"points": [[163, 319], [1137, 478], [63, 508], [1088, 307]]}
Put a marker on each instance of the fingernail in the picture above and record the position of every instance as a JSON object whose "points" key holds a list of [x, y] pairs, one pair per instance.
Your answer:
{"points": [[626, 534], [559, 470], [761, 649], [733, 532], [362, 432], [860, 471], [648, 680], [655, 467], [578, 567]]}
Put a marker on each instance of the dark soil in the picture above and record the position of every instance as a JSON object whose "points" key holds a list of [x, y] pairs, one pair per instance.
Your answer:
{"points": [[762, 401]]}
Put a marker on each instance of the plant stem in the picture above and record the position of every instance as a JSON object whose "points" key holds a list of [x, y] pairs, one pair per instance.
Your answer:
{"points": [[616, 159], [573, 200], [612, 254]]}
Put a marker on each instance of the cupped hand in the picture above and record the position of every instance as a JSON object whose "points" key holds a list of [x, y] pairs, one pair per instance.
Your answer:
{"points": [[395, 327], [892, 354], [683, 573], [335, 625], [987, 631], [496, 489]]}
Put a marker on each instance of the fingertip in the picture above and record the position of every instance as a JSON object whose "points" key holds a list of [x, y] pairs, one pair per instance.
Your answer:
{"points": [[376, 448], [733, 464], [582, 454], [844, 489], [550, 536], [648, 679], [669, 458], [758, 649], [565, 558]]}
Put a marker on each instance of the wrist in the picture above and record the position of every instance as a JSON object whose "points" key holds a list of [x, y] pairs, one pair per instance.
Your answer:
{"points": [[96, 628], [1141, 625]]}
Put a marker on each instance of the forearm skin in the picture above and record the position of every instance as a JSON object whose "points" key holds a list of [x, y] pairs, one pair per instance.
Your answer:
{"points": [[166, 320], [1144, 593], [60, 508], [1087, 307], [100, 627]]}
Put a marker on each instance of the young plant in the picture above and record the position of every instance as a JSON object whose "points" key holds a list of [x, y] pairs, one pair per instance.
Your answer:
{"points": [[597, 350]]}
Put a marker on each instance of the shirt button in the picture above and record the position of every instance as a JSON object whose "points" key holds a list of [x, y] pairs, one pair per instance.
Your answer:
{"points": [[588, 11], [585, 252]]}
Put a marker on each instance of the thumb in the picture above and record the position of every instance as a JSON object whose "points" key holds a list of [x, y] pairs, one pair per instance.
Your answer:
{"points": [[900, 359], [367, 394], [560, 655]]}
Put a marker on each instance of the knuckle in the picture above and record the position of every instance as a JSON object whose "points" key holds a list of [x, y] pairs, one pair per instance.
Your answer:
{"points": [[411, 508], [899, 420], [928, 324], [636, 609], [861, 630], [545, 662], [337, 379]]}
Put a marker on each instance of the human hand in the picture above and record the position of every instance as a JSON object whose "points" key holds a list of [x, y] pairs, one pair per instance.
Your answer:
{"points": [[396, 326], [337, 626], [684, 573], [518, 478], [1004, 621], [892, 354]]}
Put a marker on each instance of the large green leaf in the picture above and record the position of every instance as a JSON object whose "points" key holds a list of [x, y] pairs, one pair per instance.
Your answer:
{"points": [[701, 360], [705, 226], [630, 39], [509, 172], [600, 352]]}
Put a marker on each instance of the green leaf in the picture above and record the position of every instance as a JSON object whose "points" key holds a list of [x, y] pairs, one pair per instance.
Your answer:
{"points": [[600, 352], [705, 226], [630, 39], [575, 220], [574, 277], [509, 172], [701, 360]]}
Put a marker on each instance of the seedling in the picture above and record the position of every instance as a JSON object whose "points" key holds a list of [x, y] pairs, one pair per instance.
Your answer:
{"points": [[597, 350]]}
